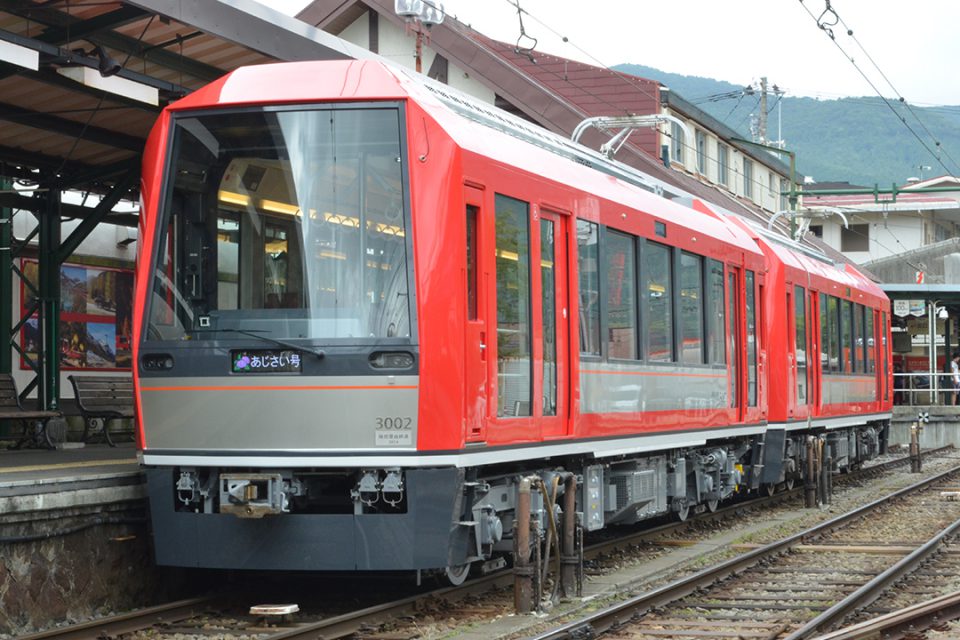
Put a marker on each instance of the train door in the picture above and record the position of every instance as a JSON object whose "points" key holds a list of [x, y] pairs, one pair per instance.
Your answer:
{"points": [[792, 354], [734, 340], [753, 304], [512, 323], [554, 326], [477, 274], [885, 354], [801, 327], [816, 358]]}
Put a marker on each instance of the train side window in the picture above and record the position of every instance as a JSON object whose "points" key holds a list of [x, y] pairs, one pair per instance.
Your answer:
{"points": [[588, 255], [514, 337], [800, 324], [751, 308], [833, 326], [471, 262], [228, 252], [548, 299], [860, 360], [846, 335], [869, 343], [715, 312], [620, 262], [733, 341], [691, 308], [657, 260]]}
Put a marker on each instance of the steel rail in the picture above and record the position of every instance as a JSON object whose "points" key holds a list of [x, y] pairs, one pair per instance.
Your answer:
{"points": [[872, 589], [126, 622], [346, 624], [907, 622], [350, 623], [622, 613]]}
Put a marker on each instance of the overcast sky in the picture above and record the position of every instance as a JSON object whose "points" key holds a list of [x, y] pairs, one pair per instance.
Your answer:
{"points": [[916, 45]]}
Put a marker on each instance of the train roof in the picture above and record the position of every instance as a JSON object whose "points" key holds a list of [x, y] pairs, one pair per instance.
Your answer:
{"points": [[475, 127], [844, 279]]}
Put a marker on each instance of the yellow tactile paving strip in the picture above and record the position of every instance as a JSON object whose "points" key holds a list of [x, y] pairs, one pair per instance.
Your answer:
{"points": [[68, 465]]}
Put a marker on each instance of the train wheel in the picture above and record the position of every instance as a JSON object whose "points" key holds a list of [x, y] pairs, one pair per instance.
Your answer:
{"points": [[458, 575], [789, 484], [770, 488], [683, 513], [712, 505]]}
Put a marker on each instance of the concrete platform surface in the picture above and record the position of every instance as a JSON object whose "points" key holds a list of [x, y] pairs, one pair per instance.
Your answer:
{"points": [[39, 465]]}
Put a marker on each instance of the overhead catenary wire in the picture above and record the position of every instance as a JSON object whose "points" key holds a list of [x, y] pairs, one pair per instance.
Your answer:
{"points": [[903, 100], [827, 28], [628, 79], [726, 190]]}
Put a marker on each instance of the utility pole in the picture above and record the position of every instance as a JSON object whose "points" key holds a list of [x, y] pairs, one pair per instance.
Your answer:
{"points": [[763, 110]]}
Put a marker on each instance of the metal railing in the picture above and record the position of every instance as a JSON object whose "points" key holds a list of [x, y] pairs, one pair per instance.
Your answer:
{"points": [[923, 388]]}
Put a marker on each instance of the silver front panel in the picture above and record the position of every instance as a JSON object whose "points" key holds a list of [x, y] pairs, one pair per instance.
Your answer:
{"points": [[634, 387], [373, 413]]}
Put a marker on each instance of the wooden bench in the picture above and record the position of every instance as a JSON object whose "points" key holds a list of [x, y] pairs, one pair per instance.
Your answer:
{"points": [[34, 421], [103, 398]]}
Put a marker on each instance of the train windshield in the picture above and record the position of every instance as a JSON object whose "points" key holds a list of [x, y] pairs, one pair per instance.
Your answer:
{"points": [[288, 223]]}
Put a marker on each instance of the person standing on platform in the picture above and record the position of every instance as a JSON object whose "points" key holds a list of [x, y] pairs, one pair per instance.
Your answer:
{"points": [[955, 375]]}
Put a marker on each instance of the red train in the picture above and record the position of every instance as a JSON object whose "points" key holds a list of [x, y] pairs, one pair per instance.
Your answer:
{"points": [[367, 305]]}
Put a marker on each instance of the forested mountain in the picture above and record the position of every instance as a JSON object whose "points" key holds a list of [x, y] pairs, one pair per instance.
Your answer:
{"points": [[857, 140]]}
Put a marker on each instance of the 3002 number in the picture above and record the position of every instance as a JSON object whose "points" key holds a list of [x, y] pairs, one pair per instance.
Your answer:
{"points": [[398, 424]]}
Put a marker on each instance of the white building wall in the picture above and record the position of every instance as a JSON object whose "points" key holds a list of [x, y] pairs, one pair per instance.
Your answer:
{"points": [[400, 47], [897, 234], [762, 195]]}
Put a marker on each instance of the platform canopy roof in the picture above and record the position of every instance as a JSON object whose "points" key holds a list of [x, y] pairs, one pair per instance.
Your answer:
{"points": [[82, 82]]}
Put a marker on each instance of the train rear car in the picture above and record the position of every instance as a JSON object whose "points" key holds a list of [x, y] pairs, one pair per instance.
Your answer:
{"points": [[829, 353]]}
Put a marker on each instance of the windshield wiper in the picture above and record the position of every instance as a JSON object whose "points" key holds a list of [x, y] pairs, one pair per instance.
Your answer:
{"points": [[319, 353]]}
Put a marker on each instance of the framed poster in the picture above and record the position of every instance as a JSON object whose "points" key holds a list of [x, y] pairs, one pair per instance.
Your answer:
{"points": [[96, 317]]}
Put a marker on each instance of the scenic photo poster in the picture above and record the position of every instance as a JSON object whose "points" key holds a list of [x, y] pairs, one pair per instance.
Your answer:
{"points": [[96, 316]]}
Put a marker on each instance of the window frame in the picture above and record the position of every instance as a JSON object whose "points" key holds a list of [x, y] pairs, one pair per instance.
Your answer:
{"points": [[162, 226], [701, 152], [605, 255], [701, 319], [715, 341], [598, 307], [531, 321], [723, 164], [801, 311], [671, 333], [751, 306], [855, 238], [677, 143]]}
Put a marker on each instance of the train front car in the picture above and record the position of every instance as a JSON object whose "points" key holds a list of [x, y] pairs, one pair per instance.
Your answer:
{"points": [[278, 359], [371, 311]]}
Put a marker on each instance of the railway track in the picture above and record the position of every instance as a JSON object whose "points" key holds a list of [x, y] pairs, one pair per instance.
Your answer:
{"points": [[204, 617], [795, 587], [910, 622]]}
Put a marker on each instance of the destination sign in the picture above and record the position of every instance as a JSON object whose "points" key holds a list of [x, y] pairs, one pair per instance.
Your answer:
{"points": [[265, 361]]}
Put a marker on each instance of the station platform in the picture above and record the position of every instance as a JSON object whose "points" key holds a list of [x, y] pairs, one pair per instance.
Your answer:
{"points": [[37, 480]]}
